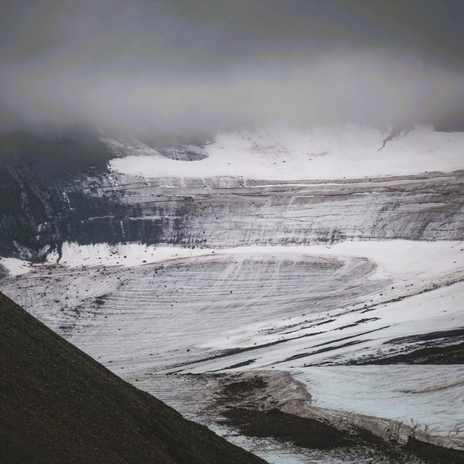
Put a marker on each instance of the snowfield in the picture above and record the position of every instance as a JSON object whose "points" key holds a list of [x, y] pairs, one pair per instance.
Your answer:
{"points": [[320, 153], [15, 266]]}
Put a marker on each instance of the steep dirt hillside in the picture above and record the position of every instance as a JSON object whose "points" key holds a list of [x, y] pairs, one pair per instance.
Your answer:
{"points": [[60, 406]]}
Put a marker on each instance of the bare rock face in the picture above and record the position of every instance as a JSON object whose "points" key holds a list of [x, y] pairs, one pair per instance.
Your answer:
{"points": [[59, 405]]}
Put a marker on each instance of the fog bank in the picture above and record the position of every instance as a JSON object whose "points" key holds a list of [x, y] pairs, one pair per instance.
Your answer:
{"points": [[201, 66]]}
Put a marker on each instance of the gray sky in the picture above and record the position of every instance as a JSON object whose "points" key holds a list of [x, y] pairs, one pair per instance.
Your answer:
{"points": [[202, 65]]}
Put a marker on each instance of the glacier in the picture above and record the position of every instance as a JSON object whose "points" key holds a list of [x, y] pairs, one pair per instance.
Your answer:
{"points": [[310, 258]]}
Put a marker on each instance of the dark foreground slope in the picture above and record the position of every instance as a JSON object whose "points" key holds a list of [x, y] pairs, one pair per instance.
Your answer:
{"points": [[58, 405]]}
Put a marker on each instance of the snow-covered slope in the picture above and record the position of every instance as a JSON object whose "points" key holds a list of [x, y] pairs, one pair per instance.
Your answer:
{"points": [[317, 153]]}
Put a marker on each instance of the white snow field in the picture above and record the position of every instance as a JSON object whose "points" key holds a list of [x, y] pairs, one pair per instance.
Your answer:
{"points": [[319, 153], [15, 266]]}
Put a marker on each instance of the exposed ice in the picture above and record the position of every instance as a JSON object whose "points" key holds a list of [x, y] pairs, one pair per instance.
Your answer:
{"points": [[428, 398]]}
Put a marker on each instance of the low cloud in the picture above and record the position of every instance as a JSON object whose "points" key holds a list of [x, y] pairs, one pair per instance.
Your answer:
{"points": [[197, 66]]}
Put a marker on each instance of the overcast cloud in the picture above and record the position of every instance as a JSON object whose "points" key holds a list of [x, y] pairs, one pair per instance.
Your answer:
{"points": [[206, 65]]}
